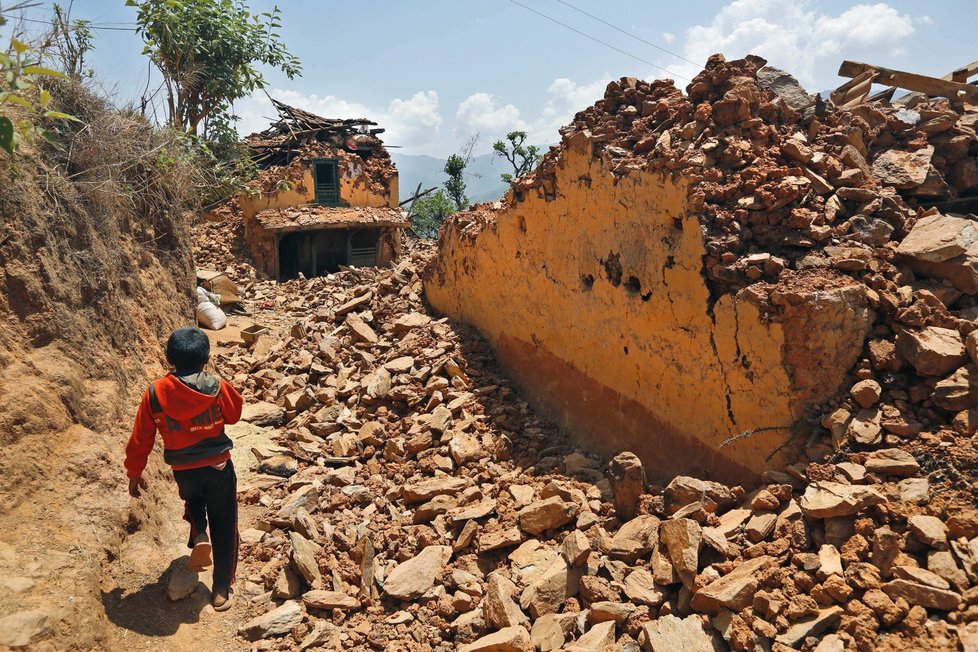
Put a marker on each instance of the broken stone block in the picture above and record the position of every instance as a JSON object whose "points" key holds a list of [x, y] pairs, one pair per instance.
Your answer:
{"points": [[605, 611], [921, 594], [944, 246], [735, 590], [682, 539], [866, 392], [546, 514], [597, 639], [932, 351], [575, 548], [810, 626], [635, 538], [182, 583], [902, 169], [641, 588], [892, 461], [930, 530], [510, 639], [319, 599], [20, 628], [416, 576], [547, 633], [262, 413], [277, 622], [550, 588], [499, 608], [825, 499], [669, 634], [627, 479], [303, 557]]}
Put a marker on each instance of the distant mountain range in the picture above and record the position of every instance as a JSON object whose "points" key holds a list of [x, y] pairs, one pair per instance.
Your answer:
{"points": [[481, 177]]}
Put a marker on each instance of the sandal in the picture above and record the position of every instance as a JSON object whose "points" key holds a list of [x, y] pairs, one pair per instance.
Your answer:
{"points": [[222, 603], [200, 556]]}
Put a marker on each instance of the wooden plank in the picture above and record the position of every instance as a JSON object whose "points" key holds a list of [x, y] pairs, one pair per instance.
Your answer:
{"points": [[962, 74], [912, 81]]}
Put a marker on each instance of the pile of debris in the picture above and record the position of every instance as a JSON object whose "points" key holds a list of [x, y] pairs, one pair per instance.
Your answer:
{"points": [[413, 501]]}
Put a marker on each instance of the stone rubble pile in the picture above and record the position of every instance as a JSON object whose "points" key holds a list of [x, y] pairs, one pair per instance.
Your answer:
{"points": [[412, 501]]}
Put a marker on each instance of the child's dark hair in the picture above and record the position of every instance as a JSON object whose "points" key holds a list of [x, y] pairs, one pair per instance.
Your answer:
{"points": [[188, 349]]}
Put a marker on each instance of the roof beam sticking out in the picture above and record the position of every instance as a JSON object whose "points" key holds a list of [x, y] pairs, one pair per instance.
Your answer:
{"points": [[913, 82]]}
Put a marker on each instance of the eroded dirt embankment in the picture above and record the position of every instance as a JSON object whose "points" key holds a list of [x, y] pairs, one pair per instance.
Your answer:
{"points": [[95, 261]]}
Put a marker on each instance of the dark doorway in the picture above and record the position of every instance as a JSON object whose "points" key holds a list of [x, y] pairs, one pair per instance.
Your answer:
{"points": [[363, 247], [312, 253]]}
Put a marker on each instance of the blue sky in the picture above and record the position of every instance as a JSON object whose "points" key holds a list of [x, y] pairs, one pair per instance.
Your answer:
{"points": [[435, 72]]}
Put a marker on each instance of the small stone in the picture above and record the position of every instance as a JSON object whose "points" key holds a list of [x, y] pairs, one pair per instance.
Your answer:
{"points": [[735, 590], [866, 392], [810, 626], [304, 558], [760, 526], [641, 588], [627, 478], [575, 548], [929, 529], [415, 577], [671, 634], [499, 608], [825, 499], [892, 461], [830, 561], [20, 628], [182, 583], [510, 639], [682, 538], [921, 594], [546, 514], [320, 599]]}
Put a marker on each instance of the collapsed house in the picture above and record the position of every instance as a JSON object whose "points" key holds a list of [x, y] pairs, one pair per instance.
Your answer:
{"points": [[695, 277], [327, 197]]}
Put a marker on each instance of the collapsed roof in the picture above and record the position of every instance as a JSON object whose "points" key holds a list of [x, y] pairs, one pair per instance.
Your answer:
{"points": [[297, 129]]}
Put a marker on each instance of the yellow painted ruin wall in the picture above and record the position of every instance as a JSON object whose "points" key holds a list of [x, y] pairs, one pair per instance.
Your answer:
{"points": [[641, 368]]}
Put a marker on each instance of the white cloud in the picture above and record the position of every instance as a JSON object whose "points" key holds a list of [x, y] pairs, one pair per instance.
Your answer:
{"points": [[413, 122], [793, 35], [565, 98], [484, 114], [668, 37]]}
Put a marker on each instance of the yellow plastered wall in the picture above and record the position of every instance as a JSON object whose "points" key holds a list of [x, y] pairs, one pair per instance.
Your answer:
{"points": [[639, 366]]}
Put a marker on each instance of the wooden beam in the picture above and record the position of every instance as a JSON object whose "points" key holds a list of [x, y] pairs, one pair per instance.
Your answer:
{"points": [[911, 81], [962, 74]]}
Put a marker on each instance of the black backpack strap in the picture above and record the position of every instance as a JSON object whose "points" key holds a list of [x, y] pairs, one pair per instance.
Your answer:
{"points": [[154, 403]]}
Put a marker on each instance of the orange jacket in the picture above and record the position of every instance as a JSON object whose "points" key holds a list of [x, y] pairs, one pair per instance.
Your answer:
{"points": [[190, 415]]}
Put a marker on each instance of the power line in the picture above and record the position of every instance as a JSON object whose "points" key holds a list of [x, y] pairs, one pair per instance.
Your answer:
{"points": [[47, 22], [597, 40], [626, 33]]}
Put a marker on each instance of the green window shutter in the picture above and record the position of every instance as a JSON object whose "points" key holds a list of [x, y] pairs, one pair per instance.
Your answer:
{"points": [[326, 178]]}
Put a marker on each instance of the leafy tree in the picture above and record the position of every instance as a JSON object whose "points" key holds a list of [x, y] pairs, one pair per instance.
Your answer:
{"points": [[19, 79], [455, 168], [455, 185], [208, 52], [428, 213], [522, 157]]}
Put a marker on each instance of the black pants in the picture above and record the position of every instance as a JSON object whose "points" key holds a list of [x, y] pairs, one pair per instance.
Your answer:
{"points": [[210, 496]]}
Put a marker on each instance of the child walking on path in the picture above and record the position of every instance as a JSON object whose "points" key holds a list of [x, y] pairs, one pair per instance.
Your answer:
{"points": [[189, 408]]}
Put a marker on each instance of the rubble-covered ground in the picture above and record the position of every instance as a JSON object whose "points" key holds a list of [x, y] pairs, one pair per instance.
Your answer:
{"points": [[412, 501]]}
